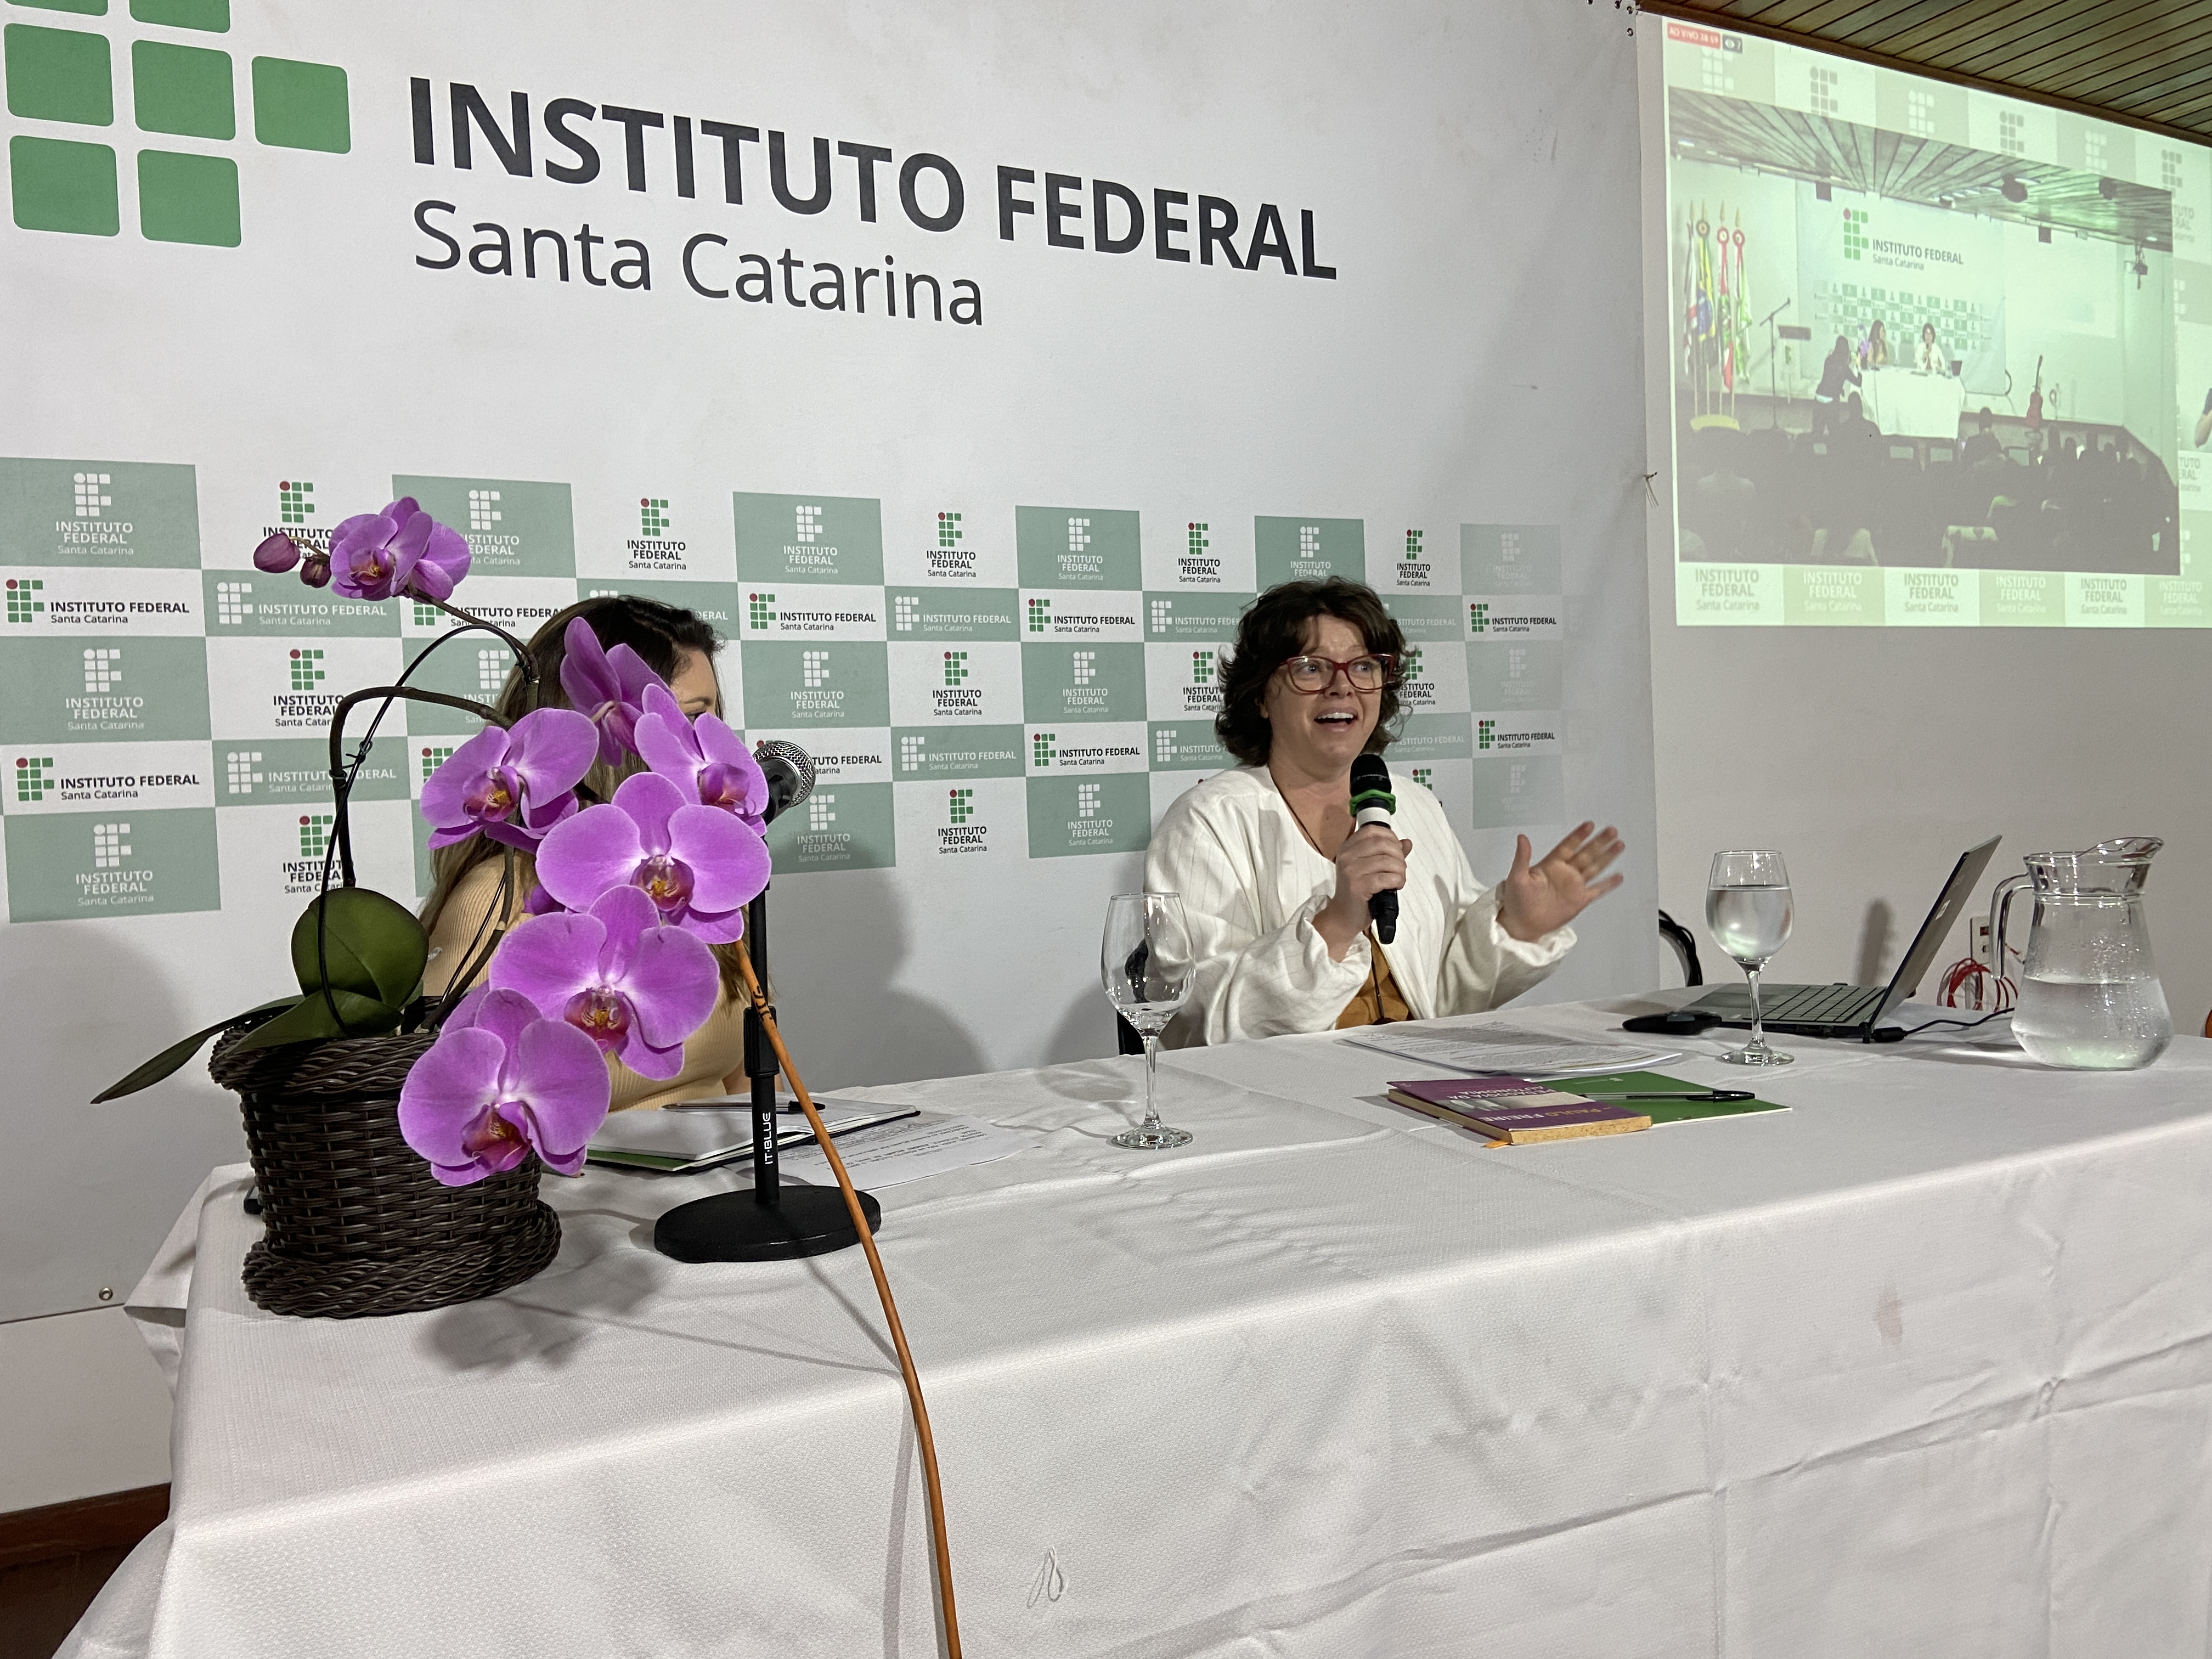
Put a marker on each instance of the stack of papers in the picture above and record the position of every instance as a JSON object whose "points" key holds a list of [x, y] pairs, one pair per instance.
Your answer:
{"points": [[1505, 1049], [682, 1140]]}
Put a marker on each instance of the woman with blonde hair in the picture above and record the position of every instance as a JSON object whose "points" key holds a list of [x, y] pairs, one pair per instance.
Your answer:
{"points": [[638, 639]]}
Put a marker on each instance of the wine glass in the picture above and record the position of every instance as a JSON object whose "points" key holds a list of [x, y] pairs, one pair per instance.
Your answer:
{"points": [[1747, 909], [1144, 964]]}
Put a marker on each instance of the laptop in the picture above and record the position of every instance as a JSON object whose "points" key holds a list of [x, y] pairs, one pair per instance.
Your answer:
{"points": [[1853, 1010]]}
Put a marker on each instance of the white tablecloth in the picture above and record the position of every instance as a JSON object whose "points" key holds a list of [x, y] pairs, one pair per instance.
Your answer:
{"points": [[1920, 1367], [1906, 403]]}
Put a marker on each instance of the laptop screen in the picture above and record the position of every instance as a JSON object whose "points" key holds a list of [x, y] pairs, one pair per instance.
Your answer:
{"points": [[1965, 875]]}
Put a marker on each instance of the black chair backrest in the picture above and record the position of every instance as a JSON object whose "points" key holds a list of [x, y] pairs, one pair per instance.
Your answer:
{"points": [[1685, 948]]}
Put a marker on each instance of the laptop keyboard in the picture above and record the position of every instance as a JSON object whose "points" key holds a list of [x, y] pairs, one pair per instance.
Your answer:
{"points": [[1808, 1005]]}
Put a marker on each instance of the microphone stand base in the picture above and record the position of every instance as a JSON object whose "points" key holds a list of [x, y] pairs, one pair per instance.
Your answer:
{"points": [[738, 1227]]}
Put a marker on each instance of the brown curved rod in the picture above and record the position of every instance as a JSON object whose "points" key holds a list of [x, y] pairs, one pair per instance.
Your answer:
{"points": [[927, 1441]]}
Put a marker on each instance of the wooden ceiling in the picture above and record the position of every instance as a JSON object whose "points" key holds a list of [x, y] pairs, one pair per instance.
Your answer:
{"points": [[2146, 62]]}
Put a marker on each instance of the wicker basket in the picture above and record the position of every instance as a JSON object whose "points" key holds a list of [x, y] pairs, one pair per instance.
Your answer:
{"points": [[357, 1224]]}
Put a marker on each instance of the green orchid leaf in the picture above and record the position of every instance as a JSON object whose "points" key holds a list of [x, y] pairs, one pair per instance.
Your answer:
{"points": [[311, 1021], [371, 945], [172, 1057]]}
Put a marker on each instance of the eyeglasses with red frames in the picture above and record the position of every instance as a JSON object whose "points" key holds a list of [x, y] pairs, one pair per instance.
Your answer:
{"points": [[1314, 675]]}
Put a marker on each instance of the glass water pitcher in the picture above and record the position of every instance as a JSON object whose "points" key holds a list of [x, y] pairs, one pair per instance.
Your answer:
{"points": [[2089, 995]]}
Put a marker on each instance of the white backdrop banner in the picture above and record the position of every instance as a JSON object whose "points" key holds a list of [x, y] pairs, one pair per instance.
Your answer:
{"points": [[969, 368]]}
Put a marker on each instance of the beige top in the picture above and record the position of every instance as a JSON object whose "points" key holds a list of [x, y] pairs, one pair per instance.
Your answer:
{"points": [[716, 1050]]}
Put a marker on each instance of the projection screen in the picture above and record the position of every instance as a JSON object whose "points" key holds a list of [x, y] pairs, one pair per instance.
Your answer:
{"points": [[1939, 358]]}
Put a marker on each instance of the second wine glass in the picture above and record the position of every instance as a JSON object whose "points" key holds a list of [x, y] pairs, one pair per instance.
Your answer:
{"points": [[1748, 910], [1144, 964]]}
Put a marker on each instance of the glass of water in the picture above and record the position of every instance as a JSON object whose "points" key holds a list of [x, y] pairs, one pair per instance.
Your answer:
{"points": [[1144, 964], [1748, 911]]}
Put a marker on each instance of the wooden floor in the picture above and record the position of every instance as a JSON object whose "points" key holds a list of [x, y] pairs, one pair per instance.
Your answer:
{"points": [[53, 1561]]}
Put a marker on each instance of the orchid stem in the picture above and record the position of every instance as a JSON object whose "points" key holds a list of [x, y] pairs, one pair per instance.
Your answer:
{"points": [[923, 1438]]}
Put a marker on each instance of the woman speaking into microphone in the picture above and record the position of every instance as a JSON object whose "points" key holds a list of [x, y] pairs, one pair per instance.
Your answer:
{"points": [[1277, 883]]}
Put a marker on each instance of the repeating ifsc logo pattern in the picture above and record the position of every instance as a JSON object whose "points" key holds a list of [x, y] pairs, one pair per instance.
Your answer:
{"points": [[168, 752]]}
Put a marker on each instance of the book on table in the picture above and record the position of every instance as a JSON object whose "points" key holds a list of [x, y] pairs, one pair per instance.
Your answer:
{"points": [[1489, 1105], [1513, 1111]]}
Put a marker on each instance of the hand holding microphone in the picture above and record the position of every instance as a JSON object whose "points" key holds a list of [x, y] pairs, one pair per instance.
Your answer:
{"points": [[1370, 865]]}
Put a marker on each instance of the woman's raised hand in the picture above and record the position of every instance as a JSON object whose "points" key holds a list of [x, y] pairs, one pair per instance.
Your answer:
{"points": [[1534, 899]]}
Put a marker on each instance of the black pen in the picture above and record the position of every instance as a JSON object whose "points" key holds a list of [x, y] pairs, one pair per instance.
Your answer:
{"points": [[1704, 1094]]}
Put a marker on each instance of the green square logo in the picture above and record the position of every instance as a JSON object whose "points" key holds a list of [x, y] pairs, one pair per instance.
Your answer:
{"points": [[843, 826], [1423, 738], [188, 198], [213, 15], [1424, 618], [293, 505], [948, 530], [56, 184], [969, 752], [99, 513], [1187, 746], [1041, 748], [760, 610], [1070, 817], [70, 866], [956, 668], [514, 528], [960, 805], [301, 106], [306, 670], [653, 517], [67, 691], [955, 613], [838, 683], [1207, 616], [254, 602], [34, 776], [1510, 558], [1309, 550], [59, 75], [1063, 547], [1098, 682], [182, 89], [835, 539], [24, 604]]}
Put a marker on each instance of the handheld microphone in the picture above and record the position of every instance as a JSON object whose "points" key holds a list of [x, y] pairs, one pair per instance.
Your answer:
{"points": [[790, 773], [1373, 803]]}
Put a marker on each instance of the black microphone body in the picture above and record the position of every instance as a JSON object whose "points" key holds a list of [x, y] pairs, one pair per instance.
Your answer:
{"points": [[790, 773], [1372, 802]]}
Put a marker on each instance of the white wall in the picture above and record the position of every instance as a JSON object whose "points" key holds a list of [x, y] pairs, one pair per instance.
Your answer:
{"points": [[1873, 756], [96, 1398]]}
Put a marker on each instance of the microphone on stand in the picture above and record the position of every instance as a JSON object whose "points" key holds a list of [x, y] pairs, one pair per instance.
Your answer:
{"points": [[772, 1222], [790, 773], [1373, 803]]}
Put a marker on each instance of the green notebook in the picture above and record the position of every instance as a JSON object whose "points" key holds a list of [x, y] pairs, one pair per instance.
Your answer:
{"points": [[1612, 1084]]}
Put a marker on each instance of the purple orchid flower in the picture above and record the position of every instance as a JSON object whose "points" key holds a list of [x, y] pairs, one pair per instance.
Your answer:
{"points": [[704, 758], [635, 987], [515, 786], [402, 549], [609, 686], [699, 865], [278, 553], [505, 1085]]}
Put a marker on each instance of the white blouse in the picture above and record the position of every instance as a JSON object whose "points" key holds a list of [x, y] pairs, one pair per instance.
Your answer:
{"points": [[1251, 886]]}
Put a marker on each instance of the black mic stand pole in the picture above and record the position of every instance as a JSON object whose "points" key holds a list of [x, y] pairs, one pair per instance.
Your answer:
{"points": [[772, 1222]]}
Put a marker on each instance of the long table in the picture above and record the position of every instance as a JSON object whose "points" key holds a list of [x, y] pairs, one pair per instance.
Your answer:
{"points": [[1922, 1365], [1906, 403]]}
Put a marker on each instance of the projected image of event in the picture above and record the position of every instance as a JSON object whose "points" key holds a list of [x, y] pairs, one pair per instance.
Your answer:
{"points": [[1916, 328]]}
